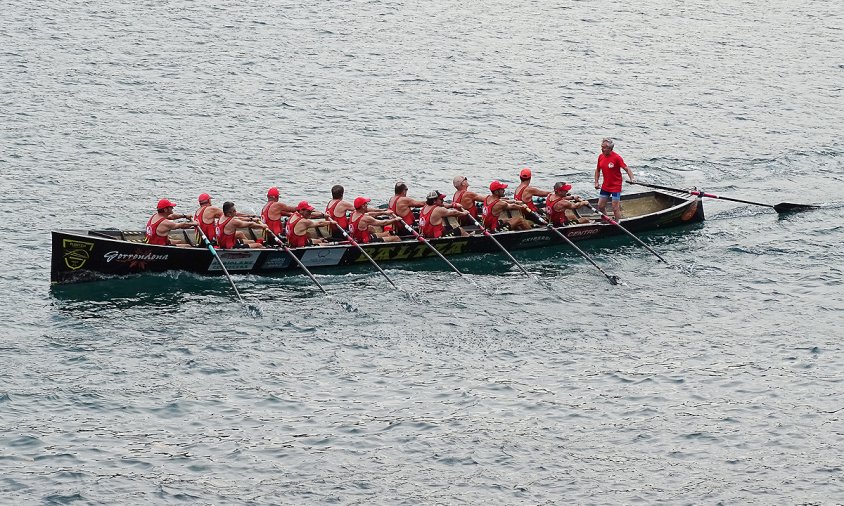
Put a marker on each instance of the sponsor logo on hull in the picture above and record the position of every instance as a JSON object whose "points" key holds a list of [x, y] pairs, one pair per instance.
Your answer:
{"points": [[409, 251], [137, 260], [323, 256], [583, 233], [235, 260], [537, 239], [76, 253]]}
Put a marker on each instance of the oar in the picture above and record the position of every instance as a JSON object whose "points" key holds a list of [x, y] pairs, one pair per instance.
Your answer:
{"points": [[220, 261], [435, 250], [294, 257], [486, 233], [613, 222], [612, 279], [782, 207], [358, 246]]}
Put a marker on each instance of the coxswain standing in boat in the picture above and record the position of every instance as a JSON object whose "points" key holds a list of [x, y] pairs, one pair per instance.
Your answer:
{"points": [[300, 222], [433, 214], [610, 164], [363, 218], [161, 223], [562, 207], [525, 192], [495, 204], [466, 199], [401, 205], [206, 217], [228, 235], [271, 215]]}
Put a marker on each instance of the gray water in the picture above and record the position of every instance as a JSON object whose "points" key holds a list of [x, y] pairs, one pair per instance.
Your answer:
{"points": [[715, 380]]}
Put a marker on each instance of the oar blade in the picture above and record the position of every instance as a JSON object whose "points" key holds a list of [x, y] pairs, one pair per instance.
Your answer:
{"points": [[785, 207], [613, 279]]}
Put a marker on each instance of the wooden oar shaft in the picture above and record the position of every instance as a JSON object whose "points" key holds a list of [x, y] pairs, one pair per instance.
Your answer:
{"points": [[360, 248], [500, 246], [703, 194], [613, 222], [219, 261], [612, 279], [294, 257], [421, 238]]}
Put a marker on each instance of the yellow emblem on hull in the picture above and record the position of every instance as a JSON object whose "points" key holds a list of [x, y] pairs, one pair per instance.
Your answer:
{"points": [[76, 253]]}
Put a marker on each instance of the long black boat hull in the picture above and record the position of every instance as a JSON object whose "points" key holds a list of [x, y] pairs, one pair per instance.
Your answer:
{"points": [[80, 255]]}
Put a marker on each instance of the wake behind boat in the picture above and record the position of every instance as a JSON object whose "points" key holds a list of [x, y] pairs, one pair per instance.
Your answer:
{"points": [[80, 255]]}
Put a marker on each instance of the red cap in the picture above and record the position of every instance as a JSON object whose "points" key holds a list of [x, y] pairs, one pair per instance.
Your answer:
{"points": [[204, 197], [164, 203], [562, 187], [361, 201], [304, 206], [525, 173], [272, 192], [496, 185]]}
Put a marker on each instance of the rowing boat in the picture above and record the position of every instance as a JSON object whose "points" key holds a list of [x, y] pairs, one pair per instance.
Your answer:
{"points": [[87, 255]]}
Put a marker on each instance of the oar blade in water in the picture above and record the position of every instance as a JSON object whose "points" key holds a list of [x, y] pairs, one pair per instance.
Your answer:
{"points": [[785, 207]]}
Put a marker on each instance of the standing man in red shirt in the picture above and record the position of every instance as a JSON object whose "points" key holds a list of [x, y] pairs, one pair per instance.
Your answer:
{"points": [[610, 164]]}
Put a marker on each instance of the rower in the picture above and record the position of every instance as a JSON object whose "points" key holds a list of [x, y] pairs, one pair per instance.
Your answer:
{"points": [[338, 210], [466, 199], [299, 223], [207, 215], [495, 204], [562, 207], [431, 217], [206, 218], [401, 205], [228, 235], [363, 218], [271, 215], [161, 223], [525, 192]]}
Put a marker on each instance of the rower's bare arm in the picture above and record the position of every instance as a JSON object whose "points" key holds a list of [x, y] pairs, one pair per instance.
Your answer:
{"points": [[597, 175], [383, 223]]}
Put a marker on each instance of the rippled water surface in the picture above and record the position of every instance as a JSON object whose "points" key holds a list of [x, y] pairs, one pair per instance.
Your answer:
{"points": [[718, 379]]}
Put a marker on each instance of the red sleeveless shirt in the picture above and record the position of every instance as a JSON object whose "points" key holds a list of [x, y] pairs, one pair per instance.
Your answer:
{"points": [[224, 240], [296, 241], [428, 230], [557, 218], [342, 221], [210, 229], [358, 234], [529, 203], [408, 218], [152, 236], [490, 220]]}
